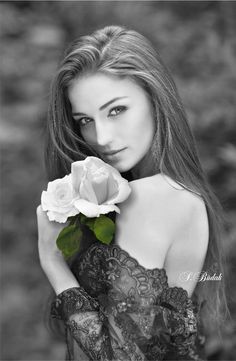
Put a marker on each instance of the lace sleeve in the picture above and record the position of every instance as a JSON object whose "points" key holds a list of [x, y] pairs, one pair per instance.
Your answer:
{"points": [[84, 318], [166, 330], [181, 315]]}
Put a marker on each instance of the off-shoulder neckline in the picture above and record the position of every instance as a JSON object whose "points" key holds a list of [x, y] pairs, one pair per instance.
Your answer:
{"points": [[155, 270], [114, 245], [144, 269], [136, 261]]}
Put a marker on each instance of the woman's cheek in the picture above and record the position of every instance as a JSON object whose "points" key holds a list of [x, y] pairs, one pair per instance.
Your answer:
{"points": [[88, 135]]}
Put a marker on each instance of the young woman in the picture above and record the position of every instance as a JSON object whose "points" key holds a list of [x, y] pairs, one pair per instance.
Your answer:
{"points": [[138, 298]]}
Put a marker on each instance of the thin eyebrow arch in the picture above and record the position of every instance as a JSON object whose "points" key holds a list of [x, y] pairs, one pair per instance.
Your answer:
{"points": [[103, 106]]}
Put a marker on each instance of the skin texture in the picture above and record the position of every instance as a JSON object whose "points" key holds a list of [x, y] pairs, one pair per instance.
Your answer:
{"points": [[125, 123]]}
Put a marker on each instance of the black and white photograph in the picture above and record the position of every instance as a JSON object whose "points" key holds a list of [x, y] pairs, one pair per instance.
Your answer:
{"points": [[118, 180]]}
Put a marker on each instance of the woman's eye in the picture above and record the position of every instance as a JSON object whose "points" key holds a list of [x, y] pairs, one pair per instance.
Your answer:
{"points": [[83, 121], [117, 110], [113, 112]]}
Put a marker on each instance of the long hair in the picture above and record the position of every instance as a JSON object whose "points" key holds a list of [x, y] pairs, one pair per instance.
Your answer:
{"points": [[121, 52]]}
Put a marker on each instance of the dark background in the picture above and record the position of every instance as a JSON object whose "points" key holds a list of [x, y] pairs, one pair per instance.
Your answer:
{"points": [[197, 41]]}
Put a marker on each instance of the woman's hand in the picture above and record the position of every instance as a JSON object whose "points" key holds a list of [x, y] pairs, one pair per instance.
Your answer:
{"points": [[48, 232], [51, 258]]}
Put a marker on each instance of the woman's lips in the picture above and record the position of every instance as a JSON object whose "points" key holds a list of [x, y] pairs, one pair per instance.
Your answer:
{"points": [[114, 154]]}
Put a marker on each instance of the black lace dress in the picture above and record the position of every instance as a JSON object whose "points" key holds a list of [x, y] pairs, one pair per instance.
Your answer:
{"points": [[123, 311]]}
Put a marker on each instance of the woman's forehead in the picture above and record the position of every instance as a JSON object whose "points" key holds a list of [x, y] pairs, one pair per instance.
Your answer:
{"points": [[102, 80], [99, 88]]}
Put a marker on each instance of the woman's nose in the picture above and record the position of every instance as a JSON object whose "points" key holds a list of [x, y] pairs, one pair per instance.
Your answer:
{"points": [[103, 133]]}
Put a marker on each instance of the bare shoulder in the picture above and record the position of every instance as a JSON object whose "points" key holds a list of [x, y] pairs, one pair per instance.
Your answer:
{"points": [[172, 220], [162, 192], [187, 251], [160, 200]]}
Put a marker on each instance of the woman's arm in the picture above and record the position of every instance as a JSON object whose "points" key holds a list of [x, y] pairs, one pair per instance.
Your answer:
{"points": [[59, 274], [51, 258], [80, 312]]}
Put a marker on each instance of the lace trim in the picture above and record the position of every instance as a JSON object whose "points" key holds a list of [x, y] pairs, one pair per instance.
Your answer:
{"points": [[164, 315], [111, 258], [71, 301]]}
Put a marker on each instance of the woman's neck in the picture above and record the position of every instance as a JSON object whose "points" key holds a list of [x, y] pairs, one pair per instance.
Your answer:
{"points": [[145, 168]]}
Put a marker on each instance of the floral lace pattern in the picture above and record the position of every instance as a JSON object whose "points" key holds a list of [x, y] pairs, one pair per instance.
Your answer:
{"points": [[123, 311]]}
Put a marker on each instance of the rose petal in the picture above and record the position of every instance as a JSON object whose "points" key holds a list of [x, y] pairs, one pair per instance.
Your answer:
{"points": [[57, 217], [48, 204], [94, 162], [86, 190], [123, 193], [61, 217], [113, 187], [106, 208], [87, 208], [51, 185], [100, 186], [77, 171]]}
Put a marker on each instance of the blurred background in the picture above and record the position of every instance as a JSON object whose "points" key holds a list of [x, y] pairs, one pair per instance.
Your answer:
{"points": [[197, 41]]}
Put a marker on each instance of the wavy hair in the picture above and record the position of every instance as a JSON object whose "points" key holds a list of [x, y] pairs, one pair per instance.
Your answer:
{"points": [[118, 51]]}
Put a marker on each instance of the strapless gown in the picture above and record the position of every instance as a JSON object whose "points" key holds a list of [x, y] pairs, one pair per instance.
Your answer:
{"points": [[123, 311]]}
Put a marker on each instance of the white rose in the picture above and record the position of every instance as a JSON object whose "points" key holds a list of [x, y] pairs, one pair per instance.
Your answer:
{"points": [[59, 199], [99, 185]]}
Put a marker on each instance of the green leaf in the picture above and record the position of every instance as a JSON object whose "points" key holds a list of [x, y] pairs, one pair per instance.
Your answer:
{"points": [[89, 222], [68, 240], [104, 229], [72, 219], [82, 218]]}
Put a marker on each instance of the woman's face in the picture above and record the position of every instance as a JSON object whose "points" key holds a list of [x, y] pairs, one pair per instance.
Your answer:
{"points": [[114, 115]]}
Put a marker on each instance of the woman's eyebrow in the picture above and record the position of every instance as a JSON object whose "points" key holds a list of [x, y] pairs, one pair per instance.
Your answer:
{"points": [[104, 105], [111, 101]]}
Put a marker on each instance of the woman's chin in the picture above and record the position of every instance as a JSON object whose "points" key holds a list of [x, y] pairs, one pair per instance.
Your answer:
{"points": [[122, 167], [118, 164]]}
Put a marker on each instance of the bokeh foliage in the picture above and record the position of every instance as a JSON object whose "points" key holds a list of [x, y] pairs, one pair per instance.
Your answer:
{"points": [[197, 41]]}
